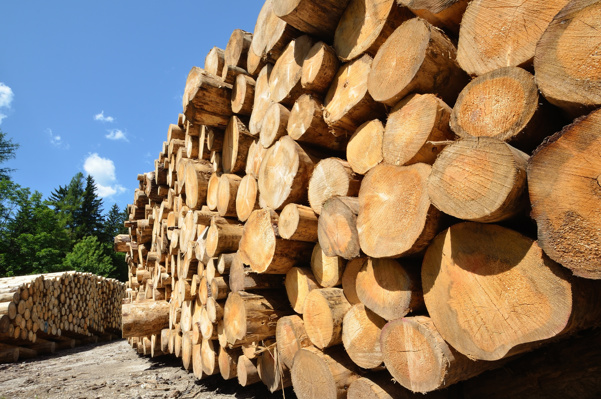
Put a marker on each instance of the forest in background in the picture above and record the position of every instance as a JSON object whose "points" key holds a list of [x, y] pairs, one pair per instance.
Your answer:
{"points": [[66, 231]]}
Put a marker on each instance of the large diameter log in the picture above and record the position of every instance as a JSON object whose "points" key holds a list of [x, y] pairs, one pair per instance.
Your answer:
{"points": [[389, 288], [446, 14], [416, 130], [247, 197], [365, 25], [243, 95], [426, 58], [323, 315], [262, 100], [361, 330], [207, 99], [223, 238], [290, 338], [327, 270], [479, 179], [236, 50], [332, 177], [519, 117], [364, 149], [420, 360], [285, 80], [317, 18], [235, 146], [271, 34], [348, 103], [565, 63], [337, 227], [144, 318], [274, 124], [319, 68], [396, 219], [250, 317], [382, 386], [484, 46], [564, 182], [526, 297], [306, 125], [298, 223], [263, 251], [322, 375], [299, 282], [284, 174]]}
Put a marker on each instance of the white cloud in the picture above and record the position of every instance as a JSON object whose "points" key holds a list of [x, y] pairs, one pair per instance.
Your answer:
{"points": [[103, 172], [6, 99], [100, 117], [56, 140], [116, 134]]}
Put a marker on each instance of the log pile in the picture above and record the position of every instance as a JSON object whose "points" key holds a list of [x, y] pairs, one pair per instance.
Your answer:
{"points": [[361, 203], [44, 312]]}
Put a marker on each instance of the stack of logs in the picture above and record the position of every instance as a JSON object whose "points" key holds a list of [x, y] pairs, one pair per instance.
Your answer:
{"points": [[40, 313], [369, 190]]}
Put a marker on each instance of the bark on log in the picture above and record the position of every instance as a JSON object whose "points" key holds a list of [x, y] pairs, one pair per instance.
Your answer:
{"points": [[285, 80], [543, 301], [480, 179], [519, 117], [322, 375], [244, 279], [426, 57], [144, 318], [445, 14], [348, 103], [284, 174], [243, 95], [207, 99], [361, 330], [263, 251], [483, 49], [298, 223], [317, 18], [332, 177], [365, 25], [327, 270], [306, 125], [364, 149], [323, 314], [416, 130], [396, 219], [337, 227], [564, 181], [565, 63]]}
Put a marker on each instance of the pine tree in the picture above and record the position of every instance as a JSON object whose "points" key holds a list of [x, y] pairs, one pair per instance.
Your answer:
{"points": [[66, 200], [88, 218], [8, 151], [113, 223]]}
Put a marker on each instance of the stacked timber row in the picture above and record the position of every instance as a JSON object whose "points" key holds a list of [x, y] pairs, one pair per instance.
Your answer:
{"points": [[40, 313], [364, 190]]}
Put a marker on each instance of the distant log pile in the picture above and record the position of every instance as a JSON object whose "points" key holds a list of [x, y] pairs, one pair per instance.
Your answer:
{"points": [[44, 312], [322, 214]]}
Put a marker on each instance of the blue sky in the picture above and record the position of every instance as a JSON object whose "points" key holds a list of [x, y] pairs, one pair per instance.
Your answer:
{"points": [[92, 86]]}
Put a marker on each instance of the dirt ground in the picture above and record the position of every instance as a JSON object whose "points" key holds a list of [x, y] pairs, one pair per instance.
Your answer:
{"points": [[114, 370]]}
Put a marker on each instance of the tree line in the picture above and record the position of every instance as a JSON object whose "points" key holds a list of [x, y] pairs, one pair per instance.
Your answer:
{"points": [[66, 231]]}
